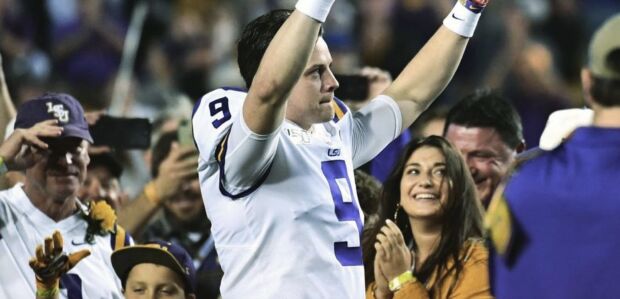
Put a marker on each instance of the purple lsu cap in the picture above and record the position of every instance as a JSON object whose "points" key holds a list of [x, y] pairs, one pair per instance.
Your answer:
{"points": [[161, 253], [63, 107]]}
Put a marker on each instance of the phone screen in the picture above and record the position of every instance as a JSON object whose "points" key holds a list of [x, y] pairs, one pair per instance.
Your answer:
{"points": [[122, 133], [352, 87], [185, 133]]}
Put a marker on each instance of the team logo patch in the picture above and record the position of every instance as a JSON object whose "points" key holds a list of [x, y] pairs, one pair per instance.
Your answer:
{"points": [[299, 136], [58, 111], [333, 152]]}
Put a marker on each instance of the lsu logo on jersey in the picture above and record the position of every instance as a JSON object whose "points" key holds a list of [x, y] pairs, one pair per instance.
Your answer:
{"points": [[333, 152]]}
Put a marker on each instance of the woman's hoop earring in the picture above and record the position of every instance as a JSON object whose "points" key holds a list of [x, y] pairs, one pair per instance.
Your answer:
{"points": [[396, 212]]}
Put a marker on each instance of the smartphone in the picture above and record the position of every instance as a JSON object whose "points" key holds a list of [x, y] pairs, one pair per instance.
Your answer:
{"points": [[185, 133], [352, 88], [122, 133]]}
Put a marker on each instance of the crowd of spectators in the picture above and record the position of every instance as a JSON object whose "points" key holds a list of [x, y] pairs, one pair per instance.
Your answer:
{"points": [[529, 51]]}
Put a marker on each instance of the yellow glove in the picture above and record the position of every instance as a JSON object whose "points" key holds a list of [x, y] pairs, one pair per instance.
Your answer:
{"points": [[51, 263]]}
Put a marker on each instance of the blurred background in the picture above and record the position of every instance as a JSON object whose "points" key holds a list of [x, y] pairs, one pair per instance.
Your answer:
{"points": [[154, 58]]}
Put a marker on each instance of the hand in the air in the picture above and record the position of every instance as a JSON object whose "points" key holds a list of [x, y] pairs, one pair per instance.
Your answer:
{"points": [[180, 166], [378, 80], [50, 262]]}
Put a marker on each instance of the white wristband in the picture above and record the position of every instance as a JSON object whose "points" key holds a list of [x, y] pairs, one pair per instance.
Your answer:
{"points": [[316, 9], [462, 21]]}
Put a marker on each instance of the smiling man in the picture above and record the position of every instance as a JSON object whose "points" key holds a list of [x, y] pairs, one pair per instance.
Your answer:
{"points": [[50, 144], [488, 132]]}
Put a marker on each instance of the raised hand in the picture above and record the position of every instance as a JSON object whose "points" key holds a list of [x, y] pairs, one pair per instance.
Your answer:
{"points": [[19, 150], [180, 165], [50, 262], [382, 289], [378, 80], [393, 255]]}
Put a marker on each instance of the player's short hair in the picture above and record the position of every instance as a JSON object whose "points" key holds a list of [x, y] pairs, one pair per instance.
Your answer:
{"points": [[255, 39], [487, 108], [604, 63], [606, 92]]}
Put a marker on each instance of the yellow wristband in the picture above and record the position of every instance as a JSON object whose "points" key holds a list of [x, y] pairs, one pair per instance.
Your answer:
{"points": [[398, 282], [150, 192], [3, 168], [48, 293]]}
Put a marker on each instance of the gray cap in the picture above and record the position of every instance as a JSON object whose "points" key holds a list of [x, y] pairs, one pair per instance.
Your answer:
{"points": [[606, 40]]}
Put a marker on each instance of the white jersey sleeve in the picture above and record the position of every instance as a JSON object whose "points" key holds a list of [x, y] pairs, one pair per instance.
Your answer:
{"points": [[225, 142], [211, 121], [372, 128]]}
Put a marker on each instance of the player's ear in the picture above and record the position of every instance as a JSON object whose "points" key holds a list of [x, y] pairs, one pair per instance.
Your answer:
{"points": [[586, 82]]}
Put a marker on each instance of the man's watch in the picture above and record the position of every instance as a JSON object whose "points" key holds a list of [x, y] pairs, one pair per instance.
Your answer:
{"points": [[398, 282]]}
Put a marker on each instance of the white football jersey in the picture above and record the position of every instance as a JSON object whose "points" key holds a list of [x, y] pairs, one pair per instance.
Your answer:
{"points": [[23, 227], [290, 228]]}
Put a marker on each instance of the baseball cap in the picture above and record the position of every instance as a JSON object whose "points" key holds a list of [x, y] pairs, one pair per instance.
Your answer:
{"points": [[63, 107], [156, 252], [606, 40]]}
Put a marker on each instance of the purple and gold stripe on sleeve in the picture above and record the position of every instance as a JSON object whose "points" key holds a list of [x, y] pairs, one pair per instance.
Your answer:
{"points": [[220, 157], [340, 109]]}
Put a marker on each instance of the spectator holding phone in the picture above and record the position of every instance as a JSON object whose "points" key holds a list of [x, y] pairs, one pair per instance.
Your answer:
{"points": [[50, 143], [183, 220], [171, 208]]}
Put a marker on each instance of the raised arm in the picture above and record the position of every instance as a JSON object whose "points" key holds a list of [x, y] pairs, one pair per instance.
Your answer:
{"points": [[7, 110], [430, 71], [282, 65]]}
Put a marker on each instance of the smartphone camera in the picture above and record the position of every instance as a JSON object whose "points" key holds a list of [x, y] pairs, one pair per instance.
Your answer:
{"points": [[122, 133], [352, 88]]}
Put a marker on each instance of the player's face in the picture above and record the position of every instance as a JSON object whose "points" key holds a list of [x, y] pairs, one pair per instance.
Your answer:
{"points": [[423, 185], [154, 281], [187, 206], [59, 171], [486, 155], [311, 99]]}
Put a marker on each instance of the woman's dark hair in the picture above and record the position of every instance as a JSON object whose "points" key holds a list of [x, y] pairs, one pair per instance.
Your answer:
{"points": [[462, 217]]}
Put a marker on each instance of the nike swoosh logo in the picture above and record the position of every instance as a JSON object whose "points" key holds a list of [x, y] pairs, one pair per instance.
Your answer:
{"points": [[455, 17], [76, 243]]}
